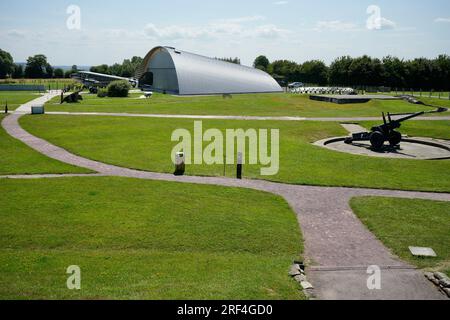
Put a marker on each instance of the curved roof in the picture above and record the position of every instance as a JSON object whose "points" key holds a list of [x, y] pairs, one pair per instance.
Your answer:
{"points": [[199, 75]]}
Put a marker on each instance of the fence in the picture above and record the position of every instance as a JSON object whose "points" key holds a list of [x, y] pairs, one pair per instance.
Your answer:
{"points": [[22, 87]]}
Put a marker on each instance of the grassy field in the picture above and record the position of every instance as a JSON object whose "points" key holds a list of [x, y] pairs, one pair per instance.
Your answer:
{"points": [[15, 99], [429, 129], [249, 105], [407, 222], [53, 84], [18, 158], [136, 239], [145, 144]]}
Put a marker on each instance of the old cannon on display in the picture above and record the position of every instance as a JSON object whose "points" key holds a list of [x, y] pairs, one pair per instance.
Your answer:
{"points": [[386, 132]]}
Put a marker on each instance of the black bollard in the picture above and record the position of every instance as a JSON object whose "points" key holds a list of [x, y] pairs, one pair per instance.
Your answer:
{"points": [[239, 166], [180, 164], [6, 108]]}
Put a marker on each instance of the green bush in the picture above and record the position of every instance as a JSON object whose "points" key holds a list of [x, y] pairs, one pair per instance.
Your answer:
{"points": [[118, 88], [102, 93]]}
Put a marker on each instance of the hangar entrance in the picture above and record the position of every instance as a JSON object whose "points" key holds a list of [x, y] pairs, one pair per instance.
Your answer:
{"points": [[160, 74]]}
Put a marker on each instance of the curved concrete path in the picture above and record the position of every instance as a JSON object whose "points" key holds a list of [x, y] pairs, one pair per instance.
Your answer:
{"points": [[338, 247]]}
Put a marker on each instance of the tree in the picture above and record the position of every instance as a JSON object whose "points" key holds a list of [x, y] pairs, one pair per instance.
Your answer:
{"points": [[6, 64], [314, 72], [100, 69], [38, 67], [285, 69], [230, 60], [18, 71], [118, 88], [59, 73], [339, 71], [261, 63], [394, 72]]}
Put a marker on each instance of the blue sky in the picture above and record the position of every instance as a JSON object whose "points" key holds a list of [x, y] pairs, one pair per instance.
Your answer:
{"points": [[293, 29]]}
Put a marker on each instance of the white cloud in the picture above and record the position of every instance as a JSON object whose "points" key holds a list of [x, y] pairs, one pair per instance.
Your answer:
{"points": [[442, 20], [335, 25], [16, 33], [386, 24], [280, 3], [236, 27]]}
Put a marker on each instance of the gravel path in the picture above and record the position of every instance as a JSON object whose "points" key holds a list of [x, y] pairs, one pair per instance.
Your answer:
{"points": [[338, 247], [245, 118]]}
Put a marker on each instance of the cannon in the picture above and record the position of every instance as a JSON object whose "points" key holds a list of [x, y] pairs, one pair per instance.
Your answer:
{"points": [[386, 132]]}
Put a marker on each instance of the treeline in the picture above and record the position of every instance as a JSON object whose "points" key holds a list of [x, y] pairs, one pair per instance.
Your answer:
{"points": [[420, 73], [231, 60], [127, 69], [37, 67]]}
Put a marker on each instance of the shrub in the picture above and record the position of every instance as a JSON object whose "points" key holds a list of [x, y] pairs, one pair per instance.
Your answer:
{"points": [[118, 88], [102, 93]]}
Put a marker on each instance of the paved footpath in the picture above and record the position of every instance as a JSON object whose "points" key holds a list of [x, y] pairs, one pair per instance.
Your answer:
{"points": [[26, 108], [338, 247], [245, 118]]}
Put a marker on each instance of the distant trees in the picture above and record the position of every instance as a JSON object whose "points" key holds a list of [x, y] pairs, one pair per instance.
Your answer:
{"points": [[6, 64], [365, 71], [18, 71], [127, 69], [231, 60], [72, 70], [38, 67], [314, 71], [58, 73], [261, 63]]}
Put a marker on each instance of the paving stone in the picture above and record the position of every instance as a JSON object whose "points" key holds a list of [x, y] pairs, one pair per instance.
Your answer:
{"points": [[306, 285], [422, 252], [300, 278], [447, 291], [445, 283], [440, 276]]}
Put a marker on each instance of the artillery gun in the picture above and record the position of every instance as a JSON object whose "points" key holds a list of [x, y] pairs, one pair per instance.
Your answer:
{"points": [[386, 132]]}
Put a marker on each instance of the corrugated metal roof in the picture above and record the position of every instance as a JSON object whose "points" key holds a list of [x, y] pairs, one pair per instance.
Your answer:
{"points": [[200, 75]]}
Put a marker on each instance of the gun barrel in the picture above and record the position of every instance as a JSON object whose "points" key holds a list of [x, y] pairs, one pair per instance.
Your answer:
{"points": [[411, 116]]}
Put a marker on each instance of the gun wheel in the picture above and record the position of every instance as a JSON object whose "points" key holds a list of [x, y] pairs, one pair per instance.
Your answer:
{"points": [[395, 138], [377, 140]]}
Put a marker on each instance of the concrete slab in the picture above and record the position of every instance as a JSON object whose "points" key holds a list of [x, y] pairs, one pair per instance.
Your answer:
{"points": [[347, 99], [415, 149]]}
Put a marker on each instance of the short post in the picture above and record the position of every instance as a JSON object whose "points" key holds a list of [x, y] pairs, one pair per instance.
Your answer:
{"points": [[180, 164], [6, 107], [239, 165]]}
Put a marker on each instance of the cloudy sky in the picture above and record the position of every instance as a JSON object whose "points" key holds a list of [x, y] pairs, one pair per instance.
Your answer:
{"points": [[109, 31]]}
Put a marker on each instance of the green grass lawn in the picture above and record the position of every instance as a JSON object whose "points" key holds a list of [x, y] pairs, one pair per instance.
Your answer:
{"points": [[18, 158], [145, 144], [401, 223], [429, 129], [137, 239], [54, 84], [15, 99], [250, 105]]}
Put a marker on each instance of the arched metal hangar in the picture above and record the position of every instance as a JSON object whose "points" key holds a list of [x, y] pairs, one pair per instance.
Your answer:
{"points": [[171, 71]]}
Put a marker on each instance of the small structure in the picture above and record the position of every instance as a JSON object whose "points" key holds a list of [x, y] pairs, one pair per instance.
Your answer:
{"points": [[37, 110]]}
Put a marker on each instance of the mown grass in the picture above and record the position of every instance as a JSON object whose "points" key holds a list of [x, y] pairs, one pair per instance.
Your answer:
{"points": [[249, 105], [15, 99], [18, 158], [136, 239], [145, 144], [401, 223]]}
